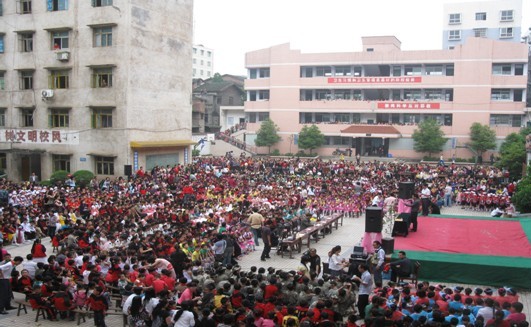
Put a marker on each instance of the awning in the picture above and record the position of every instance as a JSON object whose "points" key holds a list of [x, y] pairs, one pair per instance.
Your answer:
{"points": [[102, 66], [23, 151], [386, 131], [160, 144], [60, 153], [58, 29], [102, 25]]}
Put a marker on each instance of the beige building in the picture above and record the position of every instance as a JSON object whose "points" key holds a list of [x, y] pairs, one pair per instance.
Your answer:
{"points": [[100, 85], [202, 62]]}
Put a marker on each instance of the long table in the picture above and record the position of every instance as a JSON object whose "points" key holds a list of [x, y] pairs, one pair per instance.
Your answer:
{"points": [[295, 242]]}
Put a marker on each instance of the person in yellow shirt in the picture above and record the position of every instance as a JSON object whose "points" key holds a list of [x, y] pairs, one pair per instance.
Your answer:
{"points": [[292, 314]]}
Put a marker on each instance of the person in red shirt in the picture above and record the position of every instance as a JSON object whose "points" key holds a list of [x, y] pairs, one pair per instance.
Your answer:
{"points": [[158, 284], [98, 305], [166, 278], [516, 316], [271, 289], [498, 321]]}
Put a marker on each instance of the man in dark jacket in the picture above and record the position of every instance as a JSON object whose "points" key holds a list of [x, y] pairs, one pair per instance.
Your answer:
{"points": [[401, 267]]}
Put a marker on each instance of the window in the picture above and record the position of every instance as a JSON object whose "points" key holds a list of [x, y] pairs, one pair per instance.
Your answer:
{"points": [[209, 74], [506, 120], [397, 71], [1, 9], [60, 162], [501, 69], [25, 41], [231, 101], [480, 32], [450, 70], [26, 115], [519, 69], [24, 7], [102, 118], [26, 79], [342, 95], [323, 71], [370, 49], [262, 95], [59, 118], [263, 73], [357, 70], [101, 77], [323, 95], [412, 70], [411, 118], [500, 95], [103, 36], [434, 70], [208, 63], [413, 94], [506, 15], [343, 71], [58, 79], [2, 81], [104, 165], [2, 117], [202, 62], [195, 50], [209, 54], [202, 52], [201, 72], [506, 32], [306, 72], [454, 35], [101, 3], [454, 19], [195, 71], [60, 40], [481, 16], [57, 5]]}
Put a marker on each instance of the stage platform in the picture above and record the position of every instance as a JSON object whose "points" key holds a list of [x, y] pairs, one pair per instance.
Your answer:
{"points": [[471, 250]]}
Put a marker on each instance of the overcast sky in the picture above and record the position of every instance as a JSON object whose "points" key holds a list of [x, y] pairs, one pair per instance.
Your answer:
{"points": [[233, 27]]}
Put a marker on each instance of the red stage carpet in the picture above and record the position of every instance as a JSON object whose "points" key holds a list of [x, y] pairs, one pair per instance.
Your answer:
{"points": [[467, 236]]}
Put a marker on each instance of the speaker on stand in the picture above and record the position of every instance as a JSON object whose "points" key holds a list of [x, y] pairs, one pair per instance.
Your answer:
{"points": [[128, 170], [405, 190], [373, 220]]}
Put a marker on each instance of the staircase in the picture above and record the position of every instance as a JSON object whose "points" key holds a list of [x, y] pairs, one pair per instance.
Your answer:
{"points": [[225, 143]]}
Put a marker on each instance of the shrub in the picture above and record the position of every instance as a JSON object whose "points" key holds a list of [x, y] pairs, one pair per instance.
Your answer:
{"points": [[47, 183], [83, 177], [59, 176], [195, 152], [275, 152]]}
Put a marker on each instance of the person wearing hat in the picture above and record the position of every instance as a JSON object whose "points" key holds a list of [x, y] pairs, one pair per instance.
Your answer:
{"points": [[6, 267]]}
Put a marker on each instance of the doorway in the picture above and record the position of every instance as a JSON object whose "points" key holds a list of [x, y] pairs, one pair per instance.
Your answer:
{"points": [[30, 163]]}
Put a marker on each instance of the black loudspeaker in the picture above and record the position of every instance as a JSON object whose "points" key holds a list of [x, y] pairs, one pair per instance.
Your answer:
{"points": [[405, 190], [373, 220], [388, 245], [128, 170]]}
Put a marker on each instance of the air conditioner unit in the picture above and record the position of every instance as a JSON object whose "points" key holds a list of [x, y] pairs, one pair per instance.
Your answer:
{"points": [[47, 94], [63, 56]]}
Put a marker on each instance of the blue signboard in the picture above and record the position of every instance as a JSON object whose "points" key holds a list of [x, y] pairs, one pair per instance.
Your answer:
{"points": [[82, 159], [135, 160]]}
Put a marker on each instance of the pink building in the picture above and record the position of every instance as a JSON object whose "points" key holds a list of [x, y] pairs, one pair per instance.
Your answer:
{"points": [[371, 101]]}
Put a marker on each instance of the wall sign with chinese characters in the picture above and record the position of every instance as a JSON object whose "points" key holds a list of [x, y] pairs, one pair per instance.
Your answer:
{"points": [[408, 105], [38, 136], [374, 80]]}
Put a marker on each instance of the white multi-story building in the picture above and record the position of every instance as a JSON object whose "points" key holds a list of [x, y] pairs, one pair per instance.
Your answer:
{"points": [[99, 85], [202, 62], [497, 20]]}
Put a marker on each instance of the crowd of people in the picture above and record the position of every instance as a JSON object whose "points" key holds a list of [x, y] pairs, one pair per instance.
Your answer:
{"points": [[169, 240]]}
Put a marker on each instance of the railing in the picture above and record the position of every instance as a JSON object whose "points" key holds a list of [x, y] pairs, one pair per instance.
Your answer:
{"points": [[236, 142]]}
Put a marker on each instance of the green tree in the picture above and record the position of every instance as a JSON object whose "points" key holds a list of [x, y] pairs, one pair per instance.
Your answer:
{"points": [[512, 154], [267, 134], [429, 137], [310, 138], [482, 138], [522, 196]]}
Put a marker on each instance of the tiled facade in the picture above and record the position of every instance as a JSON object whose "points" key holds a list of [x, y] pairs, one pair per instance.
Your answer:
{"points": [[94, 84], [480, 81], [496, 20]]}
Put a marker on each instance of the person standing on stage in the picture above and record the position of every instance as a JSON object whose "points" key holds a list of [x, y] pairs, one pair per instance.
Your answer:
{"points": [[365, 288], [415, 206], [266, 238], [256, 220], [377, 262], [425, 195]]}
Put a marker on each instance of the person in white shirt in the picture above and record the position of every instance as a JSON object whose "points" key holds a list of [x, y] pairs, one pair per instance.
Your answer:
{"points": [[30, 266], [377, 261], [425, 198], [137, 291], [185, 316]]}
